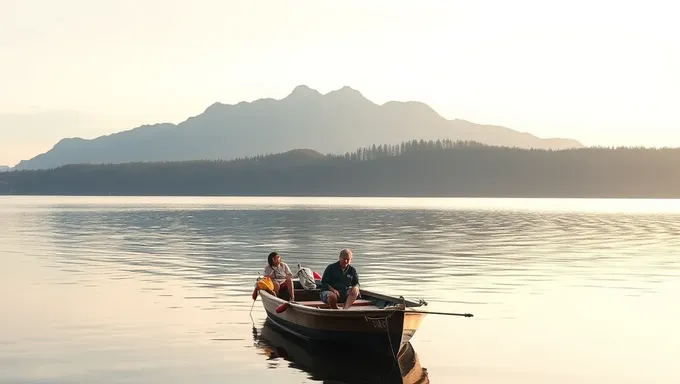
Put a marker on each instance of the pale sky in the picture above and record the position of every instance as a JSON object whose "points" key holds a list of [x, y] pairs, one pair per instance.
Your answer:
{"points": [[602, 72]]}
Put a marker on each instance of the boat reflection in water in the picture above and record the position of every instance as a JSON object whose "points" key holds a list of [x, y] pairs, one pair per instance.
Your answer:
{"points": [[339, 364]]}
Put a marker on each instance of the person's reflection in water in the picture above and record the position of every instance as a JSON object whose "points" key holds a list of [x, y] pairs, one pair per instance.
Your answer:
{"points": [[313, 358]]}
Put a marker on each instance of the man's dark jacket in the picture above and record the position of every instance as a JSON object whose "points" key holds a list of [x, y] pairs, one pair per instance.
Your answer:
{"points": [[341, 280]]}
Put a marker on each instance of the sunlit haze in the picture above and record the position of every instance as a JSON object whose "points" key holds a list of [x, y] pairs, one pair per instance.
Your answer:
{"points": [[601, 72]]}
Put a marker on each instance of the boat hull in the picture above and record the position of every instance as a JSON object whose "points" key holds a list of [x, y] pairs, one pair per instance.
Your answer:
{"points": [[382, 330]]}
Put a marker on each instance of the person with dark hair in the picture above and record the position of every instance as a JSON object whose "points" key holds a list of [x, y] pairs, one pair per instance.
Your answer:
{"points": [[340, 282], [280, 274]]}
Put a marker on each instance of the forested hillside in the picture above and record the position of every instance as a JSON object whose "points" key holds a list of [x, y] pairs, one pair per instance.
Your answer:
{"points": [[413, 168]]}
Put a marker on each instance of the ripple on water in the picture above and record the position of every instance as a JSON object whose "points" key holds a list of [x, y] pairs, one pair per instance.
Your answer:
{"points": [[193, 268]]}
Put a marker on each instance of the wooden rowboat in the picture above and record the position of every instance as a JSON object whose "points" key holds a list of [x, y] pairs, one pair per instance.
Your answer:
{"points": [[377, 321]]}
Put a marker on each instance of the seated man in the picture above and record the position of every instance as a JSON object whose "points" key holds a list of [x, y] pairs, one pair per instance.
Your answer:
{"points": [[280, 274], [340, 282]]}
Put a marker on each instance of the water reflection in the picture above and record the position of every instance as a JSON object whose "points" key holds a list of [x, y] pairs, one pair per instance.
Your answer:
{"points": [[338, 364]]}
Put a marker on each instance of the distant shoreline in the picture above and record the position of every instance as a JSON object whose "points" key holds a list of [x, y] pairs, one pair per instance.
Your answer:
{"points": [[420, 169]]}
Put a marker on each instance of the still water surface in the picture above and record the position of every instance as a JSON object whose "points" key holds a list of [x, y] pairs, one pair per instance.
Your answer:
{"points": [[147, 290]]}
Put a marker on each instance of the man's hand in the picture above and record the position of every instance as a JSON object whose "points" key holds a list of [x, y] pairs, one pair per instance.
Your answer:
{"points": [[336, 292]]}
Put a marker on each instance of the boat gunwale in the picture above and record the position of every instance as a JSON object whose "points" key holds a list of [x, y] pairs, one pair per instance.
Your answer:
{"points": [[359, 312]]}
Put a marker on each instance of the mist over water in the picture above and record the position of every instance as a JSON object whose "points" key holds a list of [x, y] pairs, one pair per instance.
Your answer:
{"points": [[142, 290]]}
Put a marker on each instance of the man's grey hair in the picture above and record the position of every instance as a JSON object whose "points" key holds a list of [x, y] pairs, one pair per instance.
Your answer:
{"points": [[346, 252]]}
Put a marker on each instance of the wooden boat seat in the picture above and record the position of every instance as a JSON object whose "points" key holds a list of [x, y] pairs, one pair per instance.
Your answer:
{"points": [[321, 304]]}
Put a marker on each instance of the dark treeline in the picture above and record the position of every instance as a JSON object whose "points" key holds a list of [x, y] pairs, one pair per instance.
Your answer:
{"points": [[414, 168], [373, 152], [385, 150]]}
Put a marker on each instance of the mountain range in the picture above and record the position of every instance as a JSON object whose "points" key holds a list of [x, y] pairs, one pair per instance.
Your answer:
{"points": [[4, 168], [337, 122]]}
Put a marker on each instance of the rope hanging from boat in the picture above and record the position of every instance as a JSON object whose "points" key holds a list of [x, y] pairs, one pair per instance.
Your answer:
{"points": [[251, 310], [378, 323]]}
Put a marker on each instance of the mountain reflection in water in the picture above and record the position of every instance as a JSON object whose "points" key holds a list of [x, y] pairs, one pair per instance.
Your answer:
{"points": [[338, 364]]}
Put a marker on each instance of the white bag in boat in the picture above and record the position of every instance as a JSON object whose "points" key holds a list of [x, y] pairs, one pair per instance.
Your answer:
{"points": [[306, 277]]}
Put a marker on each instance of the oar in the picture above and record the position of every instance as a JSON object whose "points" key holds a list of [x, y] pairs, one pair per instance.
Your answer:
{"points": [[435, 313], [440, 313]]}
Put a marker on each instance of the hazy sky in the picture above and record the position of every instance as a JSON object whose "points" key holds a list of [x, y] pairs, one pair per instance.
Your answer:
{"points": [[602, 72]]}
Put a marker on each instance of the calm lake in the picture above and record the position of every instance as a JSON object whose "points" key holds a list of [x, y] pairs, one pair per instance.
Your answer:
{"points": [[151, 290]]}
